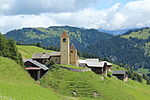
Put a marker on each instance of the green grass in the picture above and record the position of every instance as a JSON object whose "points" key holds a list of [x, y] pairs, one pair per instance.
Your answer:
{"points": [[86, 83], [143, 71], [117, 67], [16, 84], [72, 66], [27, 51], [144, 34]]}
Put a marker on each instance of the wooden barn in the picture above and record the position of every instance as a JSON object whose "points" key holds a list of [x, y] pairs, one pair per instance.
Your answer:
{"points": [[34, 68], [122, 75], [99, 67]]}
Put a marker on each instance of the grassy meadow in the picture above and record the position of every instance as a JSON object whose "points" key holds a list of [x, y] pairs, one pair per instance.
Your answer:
{"points": [[27, 51], [142, 34], [16, 84], [88, 86]]}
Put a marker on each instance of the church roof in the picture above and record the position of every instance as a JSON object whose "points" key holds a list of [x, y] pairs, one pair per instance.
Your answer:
{"points": [[64, 34], [72, 47], [45, 55]]}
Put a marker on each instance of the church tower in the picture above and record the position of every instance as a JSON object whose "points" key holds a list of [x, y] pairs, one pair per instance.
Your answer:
{"points": [[73, 55], [65, 49]]}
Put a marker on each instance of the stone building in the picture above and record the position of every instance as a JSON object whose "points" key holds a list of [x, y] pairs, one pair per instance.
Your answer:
{"points": [[73, 56], [65, 49], [67, 55]]}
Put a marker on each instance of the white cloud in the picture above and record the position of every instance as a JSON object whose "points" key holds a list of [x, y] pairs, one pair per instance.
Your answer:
{"points": [[119, 16], [13, 7]]}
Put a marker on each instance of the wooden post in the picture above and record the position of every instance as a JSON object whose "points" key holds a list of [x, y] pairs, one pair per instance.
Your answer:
{"points": [[38, 75]]}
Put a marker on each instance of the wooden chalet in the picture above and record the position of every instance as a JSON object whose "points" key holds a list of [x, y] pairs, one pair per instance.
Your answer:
{"points": [[122, 75], [34, 68], [99, 67]]}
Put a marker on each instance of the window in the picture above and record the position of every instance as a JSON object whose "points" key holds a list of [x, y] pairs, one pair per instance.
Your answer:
{"points": [[71, 51], [64, 39]]}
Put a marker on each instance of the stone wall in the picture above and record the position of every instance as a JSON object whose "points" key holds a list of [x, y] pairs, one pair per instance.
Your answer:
{"points": [[76, 70]]}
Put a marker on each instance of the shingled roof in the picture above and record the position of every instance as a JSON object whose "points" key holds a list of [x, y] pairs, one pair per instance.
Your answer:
{"points": [[108, 64], [94, 63], [45, 55], [36, 63], [119, 72]]}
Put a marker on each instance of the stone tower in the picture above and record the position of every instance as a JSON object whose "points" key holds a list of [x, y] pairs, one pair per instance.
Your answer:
{"points": [[65, 49], [73, 55]]}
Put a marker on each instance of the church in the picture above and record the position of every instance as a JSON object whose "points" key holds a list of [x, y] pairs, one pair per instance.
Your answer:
{"points": [[67, 55]]}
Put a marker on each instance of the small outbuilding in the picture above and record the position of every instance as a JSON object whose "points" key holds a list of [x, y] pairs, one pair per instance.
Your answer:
{"points": [[122, 75], [34, 68]]}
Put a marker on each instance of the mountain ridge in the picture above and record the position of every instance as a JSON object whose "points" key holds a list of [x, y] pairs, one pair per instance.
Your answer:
{"points": [[114, 32]]}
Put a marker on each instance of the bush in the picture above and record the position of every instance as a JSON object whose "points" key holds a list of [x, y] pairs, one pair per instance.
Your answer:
{"points": [[50, 63], [109, 74]]}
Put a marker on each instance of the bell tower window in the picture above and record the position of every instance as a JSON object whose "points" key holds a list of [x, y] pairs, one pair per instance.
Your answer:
{"points": [[64, 39]]}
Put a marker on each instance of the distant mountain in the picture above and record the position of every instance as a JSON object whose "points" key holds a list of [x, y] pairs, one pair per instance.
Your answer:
{"points": [[50, 36], [127, 52], [114, 32]]}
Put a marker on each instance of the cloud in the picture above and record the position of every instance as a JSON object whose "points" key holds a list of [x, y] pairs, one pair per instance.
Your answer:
{"points": [[14, 7], [120, 16]]}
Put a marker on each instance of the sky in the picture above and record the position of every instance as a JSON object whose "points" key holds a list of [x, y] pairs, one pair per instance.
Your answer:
{"points": [[105, 14]]}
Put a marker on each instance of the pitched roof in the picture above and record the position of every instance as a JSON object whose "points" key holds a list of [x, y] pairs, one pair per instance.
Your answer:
{"points": [[82, 61], [119, 72], [45, 55], [109, 64], [64, 34], [72, 47], [93, 59], [36, 63], [55, 54], [94, 63]]}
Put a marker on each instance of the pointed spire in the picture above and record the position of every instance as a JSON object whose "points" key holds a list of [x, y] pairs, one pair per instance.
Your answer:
{"points": [[64, 34], [72, 46]]}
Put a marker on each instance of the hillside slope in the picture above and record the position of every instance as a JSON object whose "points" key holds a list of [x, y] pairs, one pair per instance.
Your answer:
{"points": [[142, 33], [16, 84], [27, 51], [89, 86], [142, 38]]}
